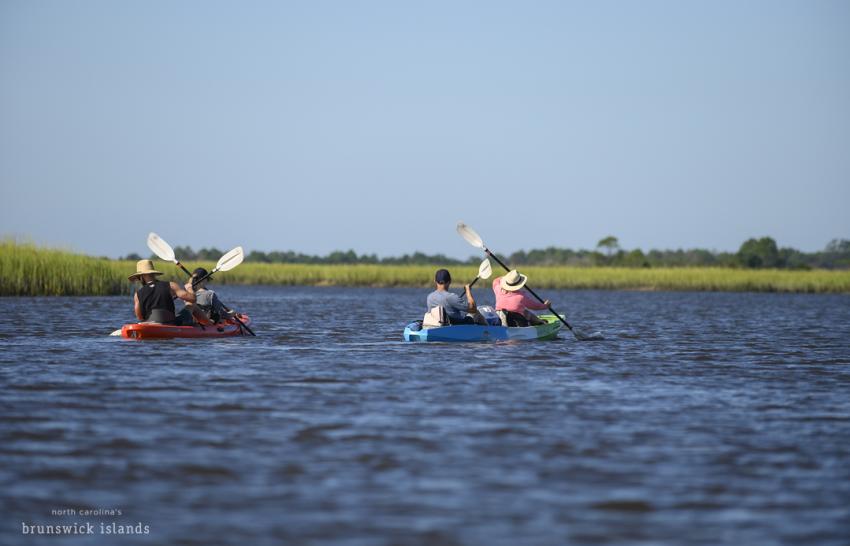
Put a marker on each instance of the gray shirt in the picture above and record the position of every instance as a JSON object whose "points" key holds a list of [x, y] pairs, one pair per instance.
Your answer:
{"points": [[208, 301], [456, 306]]}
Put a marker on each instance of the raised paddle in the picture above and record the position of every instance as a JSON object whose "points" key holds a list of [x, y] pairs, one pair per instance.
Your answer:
{"points": [[484, 272], [471, 237], [227, 262]]}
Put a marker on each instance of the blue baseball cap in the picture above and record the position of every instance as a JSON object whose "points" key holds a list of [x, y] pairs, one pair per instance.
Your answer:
{"points": [[443, 276]]}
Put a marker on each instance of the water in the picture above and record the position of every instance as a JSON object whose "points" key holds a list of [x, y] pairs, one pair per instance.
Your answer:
{"points": [[703, 419]]}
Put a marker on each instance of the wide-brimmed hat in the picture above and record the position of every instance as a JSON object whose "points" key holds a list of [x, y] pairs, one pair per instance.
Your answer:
{"points": [[144, 267], [513, 281]]}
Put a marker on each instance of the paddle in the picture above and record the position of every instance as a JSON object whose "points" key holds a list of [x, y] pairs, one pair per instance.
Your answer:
{"points": [[471, 237], [484, 272], [227, 262]]}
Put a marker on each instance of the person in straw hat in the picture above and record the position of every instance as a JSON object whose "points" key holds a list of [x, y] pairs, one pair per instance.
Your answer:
{"points": [[512, 304], [153, 301]]}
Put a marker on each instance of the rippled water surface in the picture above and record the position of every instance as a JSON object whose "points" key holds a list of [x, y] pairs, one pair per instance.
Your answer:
{"points": [[702, 419]]}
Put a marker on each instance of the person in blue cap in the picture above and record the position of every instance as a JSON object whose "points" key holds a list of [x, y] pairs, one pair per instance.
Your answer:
{"points": [[460, 308]]}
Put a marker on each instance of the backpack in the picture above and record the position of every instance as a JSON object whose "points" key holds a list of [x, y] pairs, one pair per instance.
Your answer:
{"points": [[435, 318]]}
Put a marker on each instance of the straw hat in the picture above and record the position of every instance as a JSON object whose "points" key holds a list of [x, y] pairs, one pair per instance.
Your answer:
{"points": [[513, 281], [144, 267]]}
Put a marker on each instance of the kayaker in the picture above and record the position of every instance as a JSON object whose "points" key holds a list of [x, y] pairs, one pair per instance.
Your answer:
{"points": [[512, 304], [460, 308], [207, 307], [154, 300]]}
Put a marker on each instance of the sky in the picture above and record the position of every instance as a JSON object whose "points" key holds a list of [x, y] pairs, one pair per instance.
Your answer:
{"points": [[377, 126]]}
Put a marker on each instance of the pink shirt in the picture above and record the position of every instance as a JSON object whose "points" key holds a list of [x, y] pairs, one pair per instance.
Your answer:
{"points": [[517, 301]]}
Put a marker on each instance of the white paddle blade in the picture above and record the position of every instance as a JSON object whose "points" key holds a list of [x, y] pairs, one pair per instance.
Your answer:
{"points": [[485, 270], [160, 248], [581, 336], [230, 260], [469, 235]]}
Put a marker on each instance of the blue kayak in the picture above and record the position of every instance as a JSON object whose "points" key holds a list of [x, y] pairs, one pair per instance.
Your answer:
{"points": [[475, 332]]}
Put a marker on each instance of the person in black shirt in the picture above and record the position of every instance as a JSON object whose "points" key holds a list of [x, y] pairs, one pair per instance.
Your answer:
{"points": [[154, 300]]}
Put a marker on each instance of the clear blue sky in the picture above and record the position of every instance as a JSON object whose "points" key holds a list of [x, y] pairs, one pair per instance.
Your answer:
{"points": [[316, 126]]}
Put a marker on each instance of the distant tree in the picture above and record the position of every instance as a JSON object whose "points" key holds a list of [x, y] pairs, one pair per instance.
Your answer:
{"points": [[257, 256], [185, 253], [700, 257], [597, 258], [838, 246], [635, 258], [759, 253], [208, 254], [340, 257], [610, 244], [792, 258], [753, 253], [836, 254], [518, 258], [131, 256], [727, 259]]}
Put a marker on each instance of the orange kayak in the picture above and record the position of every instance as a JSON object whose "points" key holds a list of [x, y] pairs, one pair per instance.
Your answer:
{"points": [[150, 330]]}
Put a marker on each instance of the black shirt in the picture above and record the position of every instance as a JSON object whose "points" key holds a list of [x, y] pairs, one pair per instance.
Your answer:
{"points": [[155, 295]]}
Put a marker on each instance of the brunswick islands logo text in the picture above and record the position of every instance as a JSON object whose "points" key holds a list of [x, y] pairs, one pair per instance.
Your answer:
{"points": [[86, 527]]}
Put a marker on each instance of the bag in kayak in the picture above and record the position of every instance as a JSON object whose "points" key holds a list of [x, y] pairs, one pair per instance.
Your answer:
{"points": [[435, 318], [490, 315]]}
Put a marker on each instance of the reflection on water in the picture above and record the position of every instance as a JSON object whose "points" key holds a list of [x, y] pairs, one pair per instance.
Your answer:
{"points": [[704, 418]]}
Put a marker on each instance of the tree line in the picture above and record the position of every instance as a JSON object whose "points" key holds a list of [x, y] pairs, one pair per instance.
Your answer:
{"points": [[753, 253]]}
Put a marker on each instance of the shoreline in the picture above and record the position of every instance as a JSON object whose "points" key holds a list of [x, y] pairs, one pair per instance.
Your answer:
{"points": [[27, 270]]}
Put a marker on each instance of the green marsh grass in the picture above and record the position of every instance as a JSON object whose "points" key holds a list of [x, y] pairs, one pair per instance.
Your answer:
{"points": [[27, 270], [606, 278]]}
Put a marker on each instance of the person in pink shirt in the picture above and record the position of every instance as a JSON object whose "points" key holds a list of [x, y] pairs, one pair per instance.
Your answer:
{"points": [[512, 304]]}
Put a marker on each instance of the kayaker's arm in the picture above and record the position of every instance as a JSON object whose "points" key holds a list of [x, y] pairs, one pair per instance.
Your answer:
{"points": [[223, 310], [137, 308], [185, 294], [530, 303], [470, 300]]}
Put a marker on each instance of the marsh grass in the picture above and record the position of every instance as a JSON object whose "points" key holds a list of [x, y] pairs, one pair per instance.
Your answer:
{"points": [[27, 270], [606, 278]]}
